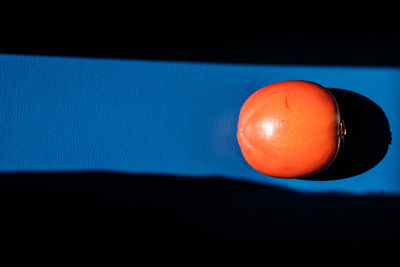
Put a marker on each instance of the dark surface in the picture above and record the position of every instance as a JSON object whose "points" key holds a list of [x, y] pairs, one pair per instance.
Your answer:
{"points": [[173, 216], [258, 35], [367, 137]]}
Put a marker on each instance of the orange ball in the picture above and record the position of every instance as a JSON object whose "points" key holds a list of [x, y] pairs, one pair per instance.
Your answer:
{"points": [[290, 129]]}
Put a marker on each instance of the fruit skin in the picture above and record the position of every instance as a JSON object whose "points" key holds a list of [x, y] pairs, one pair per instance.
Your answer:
{"points": [[289, 129]]}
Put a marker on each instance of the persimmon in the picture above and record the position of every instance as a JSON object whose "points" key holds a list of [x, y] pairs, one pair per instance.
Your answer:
{"points": [[290, 129]]}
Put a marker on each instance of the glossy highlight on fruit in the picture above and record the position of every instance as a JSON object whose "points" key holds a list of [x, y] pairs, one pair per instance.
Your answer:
{"points": [[290, 129]]}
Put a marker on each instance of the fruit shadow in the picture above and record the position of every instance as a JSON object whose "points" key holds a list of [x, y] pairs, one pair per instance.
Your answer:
{"points": [[367, 137]]}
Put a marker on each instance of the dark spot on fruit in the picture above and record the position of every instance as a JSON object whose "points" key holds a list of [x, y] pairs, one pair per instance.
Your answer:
{"points": [[287, 103]]}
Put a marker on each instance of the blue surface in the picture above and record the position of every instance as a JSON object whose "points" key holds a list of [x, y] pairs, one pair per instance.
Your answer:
{"points": [[163, 117]]}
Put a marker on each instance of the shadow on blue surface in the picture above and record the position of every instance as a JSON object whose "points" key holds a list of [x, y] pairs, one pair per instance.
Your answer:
{"points": [[235, 35], [115, 210], [367, 140]]}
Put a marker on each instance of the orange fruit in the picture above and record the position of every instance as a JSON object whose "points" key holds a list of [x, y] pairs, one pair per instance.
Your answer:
{"points": [[290, 129]]}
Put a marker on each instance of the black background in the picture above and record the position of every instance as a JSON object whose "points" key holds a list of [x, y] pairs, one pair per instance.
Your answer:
{"points": [[332, 35], [174, 219]]}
